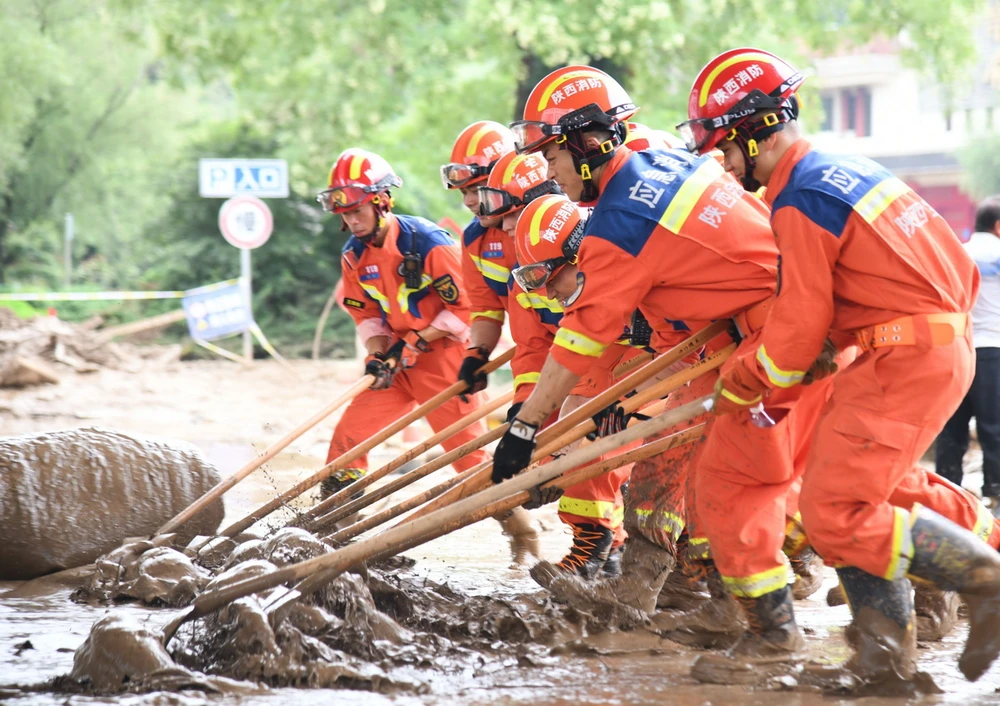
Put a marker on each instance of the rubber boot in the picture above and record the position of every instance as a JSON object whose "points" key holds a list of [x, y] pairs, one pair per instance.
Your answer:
{"points": [[937, 611], [339, 480], [586, 557], [954, 559], [645, 567], [772, 645], [612, 568], [835, 596], [808, 569], [686, 588], [717, 623], [522, 532]]}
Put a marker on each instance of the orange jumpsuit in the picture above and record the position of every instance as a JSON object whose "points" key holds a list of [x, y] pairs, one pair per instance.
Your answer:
{"points": [[377, 298], [487, 263], [860, 249]]}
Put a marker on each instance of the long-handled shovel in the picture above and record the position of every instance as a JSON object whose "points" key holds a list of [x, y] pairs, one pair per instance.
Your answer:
{"points": [[215, 493], [321, 523], [436, 524], [342, 495], [477, 479], [592, 470], [360, 450]]}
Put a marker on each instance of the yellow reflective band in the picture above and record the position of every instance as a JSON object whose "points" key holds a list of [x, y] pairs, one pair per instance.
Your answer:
{"points": [[902, 545], [530, 300], [526, 379], [494, 314], [984, 523], [403, 295], [795, 537], [551, 88], [674, 525], [578, 343], [781, 378], [355, 170], [382, 300], [598, 509], [491, 270], [534, 230], [687, 196], [738, 400], [874, 203], [759, 584], [746, 56], [474, 142]]}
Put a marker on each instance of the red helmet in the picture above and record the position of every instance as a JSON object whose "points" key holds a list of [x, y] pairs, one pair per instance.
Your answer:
{"points": [[358, 176], [568, 99], [516, 180], [548, 234], [476, 150], [731, 97], [641, 137]]}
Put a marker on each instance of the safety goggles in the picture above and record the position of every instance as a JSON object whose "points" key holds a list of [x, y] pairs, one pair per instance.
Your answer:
{"points": [[536, 275], [455, 176], [529, 135], [497, 202], [343, 198], [697, 132]]}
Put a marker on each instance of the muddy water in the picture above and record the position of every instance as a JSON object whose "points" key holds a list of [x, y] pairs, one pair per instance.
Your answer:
{"points": [[636, 668]]}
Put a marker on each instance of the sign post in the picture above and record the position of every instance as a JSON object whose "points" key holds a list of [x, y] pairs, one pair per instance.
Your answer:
{"points": [[246, 223]]}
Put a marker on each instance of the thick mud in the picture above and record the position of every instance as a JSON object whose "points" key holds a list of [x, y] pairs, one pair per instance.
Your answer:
{"points": [[71, 496]]}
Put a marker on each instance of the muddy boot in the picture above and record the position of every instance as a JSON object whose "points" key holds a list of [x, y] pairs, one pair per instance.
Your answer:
{"points": [[835, 596], [808, 570], [772, 646], [339, 480], [590, 549], [686, 588], [644, 568], [937, 611], [520, 529], [956, 560], [717, 623], [612, 568]]}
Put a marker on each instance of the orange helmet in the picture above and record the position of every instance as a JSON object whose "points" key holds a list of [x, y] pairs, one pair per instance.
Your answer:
{"points": [[641, 137], [744, 95], [476, 150], [568, 101], [358, 176], [516, 180], [548, 235]]}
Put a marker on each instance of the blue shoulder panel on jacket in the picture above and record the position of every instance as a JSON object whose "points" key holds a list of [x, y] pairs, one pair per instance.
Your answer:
{"points": [[473, 232]]}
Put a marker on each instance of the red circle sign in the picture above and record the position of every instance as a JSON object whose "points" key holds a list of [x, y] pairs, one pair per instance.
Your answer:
{"points": [[246, 222]]}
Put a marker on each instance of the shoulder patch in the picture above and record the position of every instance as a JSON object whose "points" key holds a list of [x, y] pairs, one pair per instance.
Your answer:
{"points": [[354, 303], [446, 289]]}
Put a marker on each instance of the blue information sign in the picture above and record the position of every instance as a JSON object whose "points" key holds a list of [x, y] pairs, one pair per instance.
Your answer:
{"points": [[217, 313]]}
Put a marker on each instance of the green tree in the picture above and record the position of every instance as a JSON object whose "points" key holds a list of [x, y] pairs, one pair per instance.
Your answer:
{"points": [[980, 162]]}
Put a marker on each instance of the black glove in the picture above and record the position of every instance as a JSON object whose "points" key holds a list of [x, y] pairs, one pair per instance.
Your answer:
{"points": [[542, 496], [611, 420], [383, 372], [514, 451], [512, 412], [475, 358]]}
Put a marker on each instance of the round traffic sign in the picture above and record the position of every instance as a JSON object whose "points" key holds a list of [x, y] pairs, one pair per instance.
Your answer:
{"points": [[246, 222]]}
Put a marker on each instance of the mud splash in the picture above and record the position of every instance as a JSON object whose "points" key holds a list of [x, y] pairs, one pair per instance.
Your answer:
{"points": [[71, 496]]}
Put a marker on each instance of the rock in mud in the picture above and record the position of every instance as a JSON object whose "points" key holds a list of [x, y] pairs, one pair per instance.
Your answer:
{"points": [[71, 496], [156, 576]]}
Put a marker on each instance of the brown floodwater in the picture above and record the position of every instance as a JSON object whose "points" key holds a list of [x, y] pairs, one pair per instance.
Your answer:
{"points": [[40, 628]]}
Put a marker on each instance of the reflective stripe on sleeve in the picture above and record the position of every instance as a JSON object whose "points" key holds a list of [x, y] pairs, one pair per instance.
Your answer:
{"points": [[578, 343], [781, 378], [494, 314], [526, 379]]}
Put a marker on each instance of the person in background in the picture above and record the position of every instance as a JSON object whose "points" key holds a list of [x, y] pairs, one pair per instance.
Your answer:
{"points": [[983, 399]]}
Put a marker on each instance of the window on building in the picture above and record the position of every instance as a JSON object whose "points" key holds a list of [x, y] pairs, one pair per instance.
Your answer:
{"points": [[864, 128], [826, 100], [850, 101]]}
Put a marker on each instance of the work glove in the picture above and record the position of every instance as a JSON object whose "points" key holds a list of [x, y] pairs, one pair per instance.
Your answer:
{"points": [[724, 402], [406, 350], [824, 365], [514, 451], [512, 412], [612, 419], [541, 495], [381, 369], [475, 358]]}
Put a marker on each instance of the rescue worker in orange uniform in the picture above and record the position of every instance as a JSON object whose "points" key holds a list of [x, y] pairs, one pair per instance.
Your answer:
{"points": [[487, 259], [593, 509], [863, 259], [403, 288]]}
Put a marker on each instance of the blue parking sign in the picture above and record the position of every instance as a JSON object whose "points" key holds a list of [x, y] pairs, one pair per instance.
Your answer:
{"points": [[217, 313]]}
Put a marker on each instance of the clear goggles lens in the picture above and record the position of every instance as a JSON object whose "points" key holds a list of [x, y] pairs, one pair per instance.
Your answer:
{"points": [[531, 134], [535, 276], [342, 198], [695, 133]]}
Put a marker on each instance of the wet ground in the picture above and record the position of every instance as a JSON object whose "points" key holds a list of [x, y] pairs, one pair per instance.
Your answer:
{"points": [[39, 633]]}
